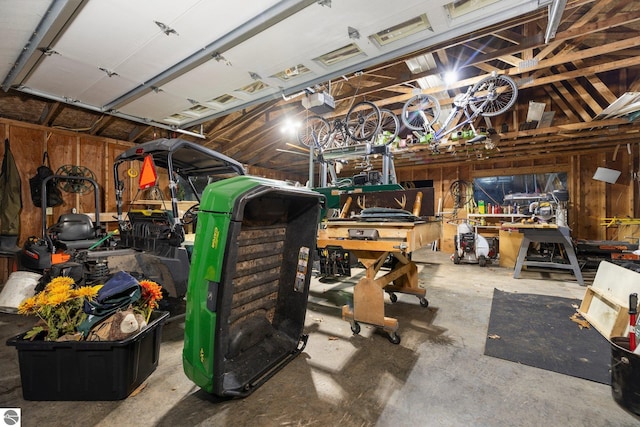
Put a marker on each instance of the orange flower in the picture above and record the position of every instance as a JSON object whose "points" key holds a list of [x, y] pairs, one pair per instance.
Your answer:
{"points": [[151, 293]]}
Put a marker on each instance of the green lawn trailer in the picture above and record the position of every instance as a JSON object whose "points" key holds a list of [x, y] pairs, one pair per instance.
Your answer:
{"points": [[249, 282]]}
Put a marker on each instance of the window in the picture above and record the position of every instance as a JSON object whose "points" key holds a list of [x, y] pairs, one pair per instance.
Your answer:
{"points": [[518, 189]]}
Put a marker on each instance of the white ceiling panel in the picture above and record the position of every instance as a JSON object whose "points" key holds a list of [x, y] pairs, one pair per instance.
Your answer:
{"points": [[197, 83], [107, 33], [64, 76], [156, 104], [198, 27], [318, 30], [209, 48], [18, 19]]}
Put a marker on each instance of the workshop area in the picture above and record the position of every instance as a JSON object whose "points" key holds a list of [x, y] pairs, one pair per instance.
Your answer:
{"points": [[320, 212], [438, 375]]}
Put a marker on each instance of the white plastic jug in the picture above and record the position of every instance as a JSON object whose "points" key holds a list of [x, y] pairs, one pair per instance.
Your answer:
{"points": [[19, 286]]}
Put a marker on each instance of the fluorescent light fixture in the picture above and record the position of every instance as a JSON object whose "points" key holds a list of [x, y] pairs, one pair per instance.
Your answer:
{"points": [[224, 99], [177, 118], [536, 109], [402, 30], [339, 55], [427, 82], [606, 175], [462, 7], [198, 111], [291, 72], [421, 63], [254, 87]]}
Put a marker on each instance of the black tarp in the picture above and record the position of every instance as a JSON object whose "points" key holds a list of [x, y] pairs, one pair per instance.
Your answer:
{"points": [[10, 196]]}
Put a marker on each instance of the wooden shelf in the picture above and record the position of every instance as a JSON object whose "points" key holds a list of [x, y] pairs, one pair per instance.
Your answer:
{"points": [[493, 222], [511, 217]]}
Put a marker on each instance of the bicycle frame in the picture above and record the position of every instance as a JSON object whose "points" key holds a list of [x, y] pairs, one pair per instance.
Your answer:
{"points": [[496, 95], [338, 128], [464, 107]]}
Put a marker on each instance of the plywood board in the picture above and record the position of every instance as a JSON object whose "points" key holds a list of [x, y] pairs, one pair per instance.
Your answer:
{"points": [[509, 246], [628, 232], [447, 244], [609, 318], [392, 236], [606, 303]]}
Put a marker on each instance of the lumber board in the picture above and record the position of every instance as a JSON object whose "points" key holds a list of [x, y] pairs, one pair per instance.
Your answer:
{"points": [[605, 304]]}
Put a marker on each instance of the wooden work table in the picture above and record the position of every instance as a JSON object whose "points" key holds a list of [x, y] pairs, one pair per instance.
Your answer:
{"points": [[372, 242], [545, 233]]}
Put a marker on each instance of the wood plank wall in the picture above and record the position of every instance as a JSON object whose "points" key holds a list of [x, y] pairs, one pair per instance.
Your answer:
{"points": [[28, 144], [590, 200]]}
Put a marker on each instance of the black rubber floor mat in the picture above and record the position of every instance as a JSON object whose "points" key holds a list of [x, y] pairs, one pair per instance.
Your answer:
{"points": [[536, 330]]}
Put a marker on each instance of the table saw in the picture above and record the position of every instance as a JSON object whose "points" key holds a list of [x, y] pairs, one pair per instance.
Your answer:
{"points": [[545, 233]]}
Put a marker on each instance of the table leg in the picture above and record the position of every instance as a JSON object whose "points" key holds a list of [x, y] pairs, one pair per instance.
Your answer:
{"points": [[522, 254], [368, 294], [571, 255]]}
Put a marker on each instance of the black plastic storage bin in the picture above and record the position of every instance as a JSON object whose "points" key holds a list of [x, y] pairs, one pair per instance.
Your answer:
{"points": [[625, 375], [88, 370]]}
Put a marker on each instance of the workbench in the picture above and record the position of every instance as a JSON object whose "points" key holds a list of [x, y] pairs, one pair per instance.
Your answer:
{"points": [[372, 242], [545, 233]]}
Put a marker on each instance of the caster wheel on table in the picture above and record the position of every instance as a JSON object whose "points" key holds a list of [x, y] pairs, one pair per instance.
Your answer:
{"points": [[355, 328], [424, 302], [394, 338], [393, 297]]}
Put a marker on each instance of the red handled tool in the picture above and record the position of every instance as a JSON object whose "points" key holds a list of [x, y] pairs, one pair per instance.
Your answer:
{"points": [[633, 311]]}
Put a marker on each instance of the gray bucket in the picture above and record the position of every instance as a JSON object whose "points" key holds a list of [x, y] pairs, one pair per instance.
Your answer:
{"points": [[19, 286]]}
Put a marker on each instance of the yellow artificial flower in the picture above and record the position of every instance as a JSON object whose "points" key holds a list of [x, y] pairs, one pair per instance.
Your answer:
{"points": [[27, 305], [61, 280], [88, 291], [58, 288], [41, 298], [59, 306], [57, 299]]}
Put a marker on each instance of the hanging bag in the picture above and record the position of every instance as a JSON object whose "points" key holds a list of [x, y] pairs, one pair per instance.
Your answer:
{"points": [[54, 196]]}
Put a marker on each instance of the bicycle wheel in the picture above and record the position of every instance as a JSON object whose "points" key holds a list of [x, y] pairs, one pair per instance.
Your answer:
{"points": [[389, 127], [363, 120], [420, 112], [314, 127], [493, 95]]}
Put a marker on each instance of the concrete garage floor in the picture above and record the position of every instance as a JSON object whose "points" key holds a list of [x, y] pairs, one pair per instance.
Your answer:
{"points": [[437, 376]]}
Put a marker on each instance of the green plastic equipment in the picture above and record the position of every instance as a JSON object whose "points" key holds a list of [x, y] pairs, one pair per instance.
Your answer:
{"points": [[248, 283]]}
